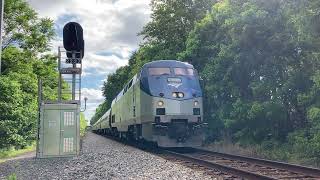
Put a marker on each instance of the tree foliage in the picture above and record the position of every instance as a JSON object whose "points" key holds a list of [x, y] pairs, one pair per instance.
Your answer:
{"points": [[23, 28], [26, 36], [172, 20]]}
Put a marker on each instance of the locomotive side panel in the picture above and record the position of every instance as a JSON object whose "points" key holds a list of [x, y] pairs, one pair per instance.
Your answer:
{"points": [[137, 96], [146, 107], [115, 115], [127, 109]]}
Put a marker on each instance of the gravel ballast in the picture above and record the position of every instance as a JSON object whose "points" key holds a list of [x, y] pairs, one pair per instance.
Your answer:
{"points": [[101, 158]]}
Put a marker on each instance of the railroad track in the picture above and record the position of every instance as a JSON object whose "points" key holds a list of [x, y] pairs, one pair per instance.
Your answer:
{"points": [[231, 166], [245, 167]]}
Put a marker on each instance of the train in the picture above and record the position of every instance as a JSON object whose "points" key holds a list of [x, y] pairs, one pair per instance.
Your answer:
{"points": [[161, 104]]}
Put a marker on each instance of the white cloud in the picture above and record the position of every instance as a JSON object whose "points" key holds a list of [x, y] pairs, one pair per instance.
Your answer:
{"points": [[106, 24], [109, 25], [94, 99], [101, 64], [91, 107], [93, 95]]}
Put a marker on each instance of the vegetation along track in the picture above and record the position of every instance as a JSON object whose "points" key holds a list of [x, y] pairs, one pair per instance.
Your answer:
{"points": [[248, 168]]}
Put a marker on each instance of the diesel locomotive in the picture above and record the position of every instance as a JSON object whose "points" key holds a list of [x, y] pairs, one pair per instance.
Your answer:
{"points": [[161, 104]]}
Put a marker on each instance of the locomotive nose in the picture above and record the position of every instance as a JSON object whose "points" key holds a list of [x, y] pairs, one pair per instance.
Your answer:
{"points": [[179, 107], [166, 110]]}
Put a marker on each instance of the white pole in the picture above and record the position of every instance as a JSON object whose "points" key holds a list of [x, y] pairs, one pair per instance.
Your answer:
{"points": [[1, 22]]}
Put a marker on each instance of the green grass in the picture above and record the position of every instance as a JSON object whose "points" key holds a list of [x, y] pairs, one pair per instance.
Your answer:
{"points": [[83, 125], [12, 177], [12, 152]]}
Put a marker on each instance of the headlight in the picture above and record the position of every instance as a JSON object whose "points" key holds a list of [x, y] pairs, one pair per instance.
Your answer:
{"points": [[174, 95], [160, 103], [180, 95], [196, 103]]}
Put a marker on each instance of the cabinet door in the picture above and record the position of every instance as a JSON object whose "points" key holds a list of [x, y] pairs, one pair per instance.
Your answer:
{"points": [[51, 132], [68, 141]]}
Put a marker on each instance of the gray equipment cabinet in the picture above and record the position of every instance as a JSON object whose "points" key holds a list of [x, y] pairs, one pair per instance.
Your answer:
{"points": [[59, 126]]}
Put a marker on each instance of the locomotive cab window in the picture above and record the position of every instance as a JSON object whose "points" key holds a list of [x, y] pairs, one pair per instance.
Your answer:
{"points": [[159, 71], [180, 71], [184, 71], [191, 72]]}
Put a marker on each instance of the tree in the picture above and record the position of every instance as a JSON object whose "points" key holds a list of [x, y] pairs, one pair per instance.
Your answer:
{"points": [[11, 108], [101, 109], [171, 22], [26, 36], [23, 28]]}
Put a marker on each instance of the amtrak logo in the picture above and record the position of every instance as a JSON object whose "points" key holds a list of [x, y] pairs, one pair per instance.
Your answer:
{"points": [[176, 85]]}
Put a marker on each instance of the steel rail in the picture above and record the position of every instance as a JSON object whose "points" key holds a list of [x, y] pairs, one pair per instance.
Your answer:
{"points": [[225, 169], [161, 152], [273, 164]]}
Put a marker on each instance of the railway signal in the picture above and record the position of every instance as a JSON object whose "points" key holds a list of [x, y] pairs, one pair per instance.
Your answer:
{"points": [[59, 121]]}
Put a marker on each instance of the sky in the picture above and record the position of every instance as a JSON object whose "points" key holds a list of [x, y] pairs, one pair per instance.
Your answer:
{"points": [[110, 33]]}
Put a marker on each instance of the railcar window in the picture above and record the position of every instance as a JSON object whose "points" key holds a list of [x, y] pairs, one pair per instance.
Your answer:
{"points": [[130, 83], [125, 89], [159, 71], [113, 119]]}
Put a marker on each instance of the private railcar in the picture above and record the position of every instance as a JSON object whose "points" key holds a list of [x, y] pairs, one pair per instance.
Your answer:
{"points": [[161, 104]]}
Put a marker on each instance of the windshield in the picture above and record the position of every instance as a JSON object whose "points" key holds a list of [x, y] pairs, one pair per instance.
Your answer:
{"points": [[176, 71], [166, 80], [183, 71], [159, 71]]}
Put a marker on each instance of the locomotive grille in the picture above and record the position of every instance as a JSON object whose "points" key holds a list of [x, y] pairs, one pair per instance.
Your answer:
{"points": [[178, 128], [179, 120], [161, 111], [196, 111]]}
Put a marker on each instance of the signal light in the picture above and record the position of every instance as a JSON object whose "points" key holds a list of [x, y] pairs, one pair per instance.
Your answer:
{"points": [[73, 39]]}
